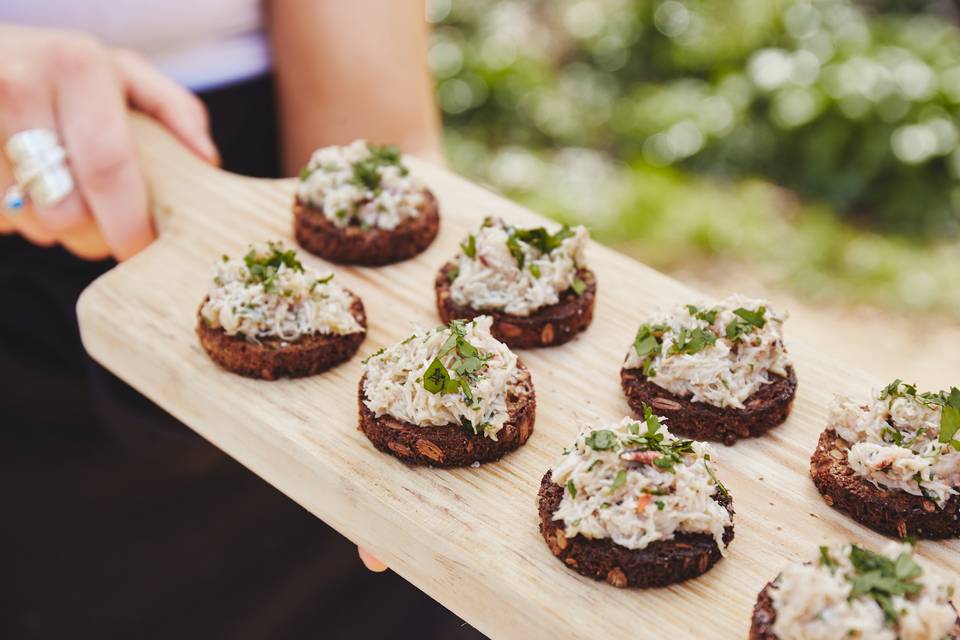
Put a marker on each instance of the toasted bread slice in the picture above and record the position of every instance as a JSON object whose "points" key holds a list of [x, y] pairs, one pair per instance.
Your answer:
{"points": [[545, 327], [890, 511], [452, 445], [273, 358], [765, 409], [369, 247], [658, 564]]}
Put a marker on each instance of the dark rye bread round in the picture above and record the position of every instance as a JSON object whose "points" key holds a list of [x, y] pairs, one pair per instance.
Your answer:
{"points": [[766, 408], [764, 616], [546, 327], [371, 247], [890, 511], [453, 445], [274, 358], [658, 564]]}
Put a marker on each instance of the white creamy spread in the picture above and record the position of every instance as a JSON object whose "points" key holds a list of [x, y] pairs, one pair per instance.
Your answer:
{"points": [[830, 598], [634, 482], [361, 184], [457, 375], [517, 271], [269, 294], [895, 440], [720, 354]]}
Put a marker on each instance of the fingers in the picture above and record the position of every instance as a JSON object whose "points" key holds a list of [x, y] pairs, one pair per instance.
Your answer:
{"points": [[91, 112], [150, 91], [370, 562]]}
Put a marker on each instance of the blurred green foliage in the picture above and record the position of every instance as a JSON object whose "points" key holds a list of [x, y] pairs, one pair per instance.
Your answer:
{"points": [[609, 110]]}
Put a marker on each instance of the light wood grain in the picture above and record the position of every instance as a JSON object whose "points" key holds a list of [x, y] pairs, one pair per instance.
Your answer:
{"points": [[466, 537]]}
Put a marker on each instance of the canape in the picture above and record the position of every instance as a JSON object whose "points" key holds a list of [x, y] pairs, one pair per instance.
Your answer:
{"points": [[447, 397], [267, 316], [892, 461], [718, 372], [853, 592], [359, 204], [533, 283], [635, 506]]}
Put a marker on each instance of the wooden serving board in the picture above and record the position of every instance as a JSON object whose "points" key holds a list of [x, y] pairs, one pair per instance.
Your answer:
{"points": [[467, 537]]}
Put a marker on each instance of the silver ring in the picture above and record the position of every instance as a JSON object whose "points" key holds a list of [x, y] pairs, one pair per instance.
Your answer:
{"points": [[39, 169]]}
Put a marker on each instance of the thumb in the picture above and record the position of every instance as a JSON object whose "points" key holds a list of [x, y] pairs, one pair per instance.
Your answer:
{"points": [[153, 93]]}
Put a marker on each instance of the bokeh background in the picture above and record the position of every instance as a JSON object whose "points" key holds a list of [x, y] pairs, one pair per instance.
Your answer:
{"points": [[808, 150]]}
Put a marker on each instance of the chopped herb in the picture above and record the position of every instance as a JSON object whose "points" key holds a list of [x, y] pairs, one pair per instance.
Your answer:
{"points": [[466, 363], [880, 578], [618, 481], [572, 488], [263, 268], [671, 453], [469, 246], [692, 341], [601, 440], [648, 344], [660, 505], [305, 173], [825, 559], [366, 172], [745, 322], [452, 273], [513, 245], [225, 258], [314, 284], [722, 489], [948, 401], [593, 465], [706, 315], [578, 285], [535, 270]]}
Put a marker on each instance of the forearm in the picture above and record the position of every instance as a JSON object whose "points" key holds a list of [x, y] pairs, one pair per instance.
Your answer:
{"points": [[349, 70]]}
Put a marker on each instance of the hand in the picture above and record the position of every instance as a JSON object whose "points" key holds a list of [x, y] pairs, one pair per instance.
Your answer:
{"points": [[74, 85], [370, 562]]}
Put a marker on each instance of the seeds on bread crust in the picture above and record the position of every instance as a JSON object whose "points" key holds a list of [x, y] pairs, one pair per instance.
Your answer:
{"points": [[659, 564], [273, 358], [890, 511], [548, 326], [370, 247], [765, 409], [452, 445]]}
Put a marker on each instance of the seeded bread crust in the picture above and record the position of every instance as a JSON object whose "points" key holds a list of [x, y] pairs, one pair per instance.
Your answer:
{"points": [[764, 616], [890, 511], [546, 327], [372, 247], [452, 445], [274, 358], [765, 409], [658, 564]]}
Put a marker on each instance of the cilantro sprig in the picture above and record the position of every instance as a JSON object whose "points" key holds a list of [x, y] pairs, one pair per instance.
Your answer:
{"points": [[464, 367], [366, 172], [648, 344], [746, 322], [652, 439], [538, 238], [880, 578], [263, 267]]}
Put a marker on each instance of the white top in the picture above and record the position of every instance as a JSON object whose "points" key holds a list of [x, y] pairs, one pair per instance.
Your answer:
{"points": [[201, 44]]}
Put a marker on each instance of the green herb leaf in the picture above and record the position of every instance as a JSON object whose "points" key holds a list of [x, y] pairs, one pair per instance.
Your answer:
{"points": [[950, 418], [825, 559], [469, 246], [535, 270], [436, 377], [747, 321], [572, 488], [452, 273], [601, 440], [618, 481], [648, 344], [578, 285], [692, 341]]}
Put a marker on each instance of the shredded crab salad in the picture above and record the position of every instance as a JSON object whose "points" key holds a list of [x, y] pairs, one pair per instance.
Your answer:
{"points": [[903, 439], [457, 374], [720, 355], [634, 483], [517, 271], [361, 184], [269, 294], [852, 592]]}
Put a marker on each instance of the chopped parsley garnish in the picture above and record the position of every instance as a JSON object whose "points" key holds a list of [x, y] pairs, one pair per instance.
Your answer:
{"points": [[535, 270], [373, 355], [691, 341], [572, 488], [825, 559], [948, 401], [366, 172], [706, 315], [648, 344], [601, 440], [746, 322], [263, 267], [619, 480], [671, 453], [880, 578], [538, 238], [465, 365], [713, 476], [314, 284], [660, 505], [305, 173], [452, 273], [469, 246], [578, 285]]}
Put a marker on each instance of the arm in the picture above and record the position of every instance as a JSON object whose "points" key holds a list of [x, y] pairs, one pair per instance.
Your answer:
{"points": [[349, 70]]}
